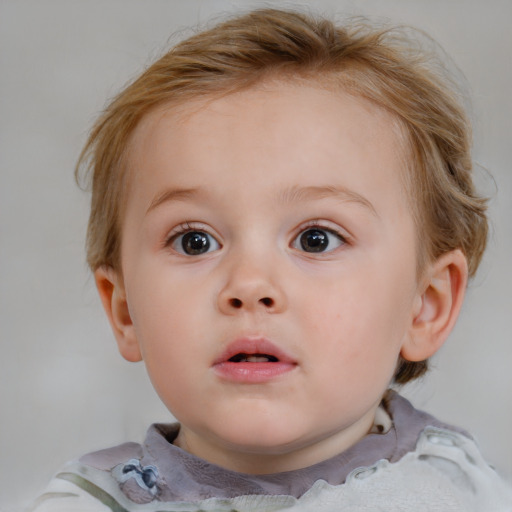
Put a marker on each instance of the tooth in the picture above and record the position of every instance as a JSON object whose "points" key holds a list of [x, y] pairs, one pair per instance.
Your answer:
{"points": [[257, 359]]}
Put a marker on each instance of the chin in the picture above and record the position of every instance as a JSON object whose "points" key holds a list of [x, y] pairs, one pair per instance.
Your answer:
{"points": [[262, 437]]}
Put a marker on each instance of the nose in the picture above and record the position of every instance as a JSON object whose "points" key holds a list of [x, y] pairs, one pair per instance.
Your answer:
{"points": [[251, 287]]}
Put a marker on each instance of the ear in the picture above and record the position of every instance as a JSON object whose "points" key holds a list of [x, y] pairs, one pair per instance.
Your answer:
{"points": [[113, 297], [437, 306]]}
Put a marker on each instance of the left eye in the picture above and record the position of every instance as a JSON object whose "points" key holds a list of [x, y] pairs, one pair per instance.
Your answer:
{"points": [[194, 243], [318, 239]]}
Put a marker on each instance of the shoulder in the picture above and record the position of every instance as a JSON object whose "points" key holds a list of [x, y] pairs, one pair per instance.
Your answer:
{"points": [[114, 479], [445, 473], [87, 484], [435, 467]]}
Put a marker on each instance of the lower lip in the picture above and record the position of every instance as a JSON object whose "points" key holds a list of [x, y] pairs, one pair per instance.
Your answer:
{"points": [[252, 373]]}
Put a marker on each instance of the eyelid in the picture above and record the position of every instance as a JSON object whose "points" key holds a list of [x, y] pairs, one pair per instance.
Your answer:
{"points": [[323, 225], [186, 227], [327, 226]]}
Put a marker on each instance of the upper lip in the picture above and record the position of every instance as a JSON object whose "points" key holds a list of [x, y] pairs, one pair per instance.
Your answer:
{"points": [[253, 346]]}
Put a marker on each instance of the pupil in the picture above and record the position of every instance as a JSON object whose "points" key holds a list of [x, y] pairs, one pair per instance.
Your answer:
{"points": [[314, 240], [195, 243]]}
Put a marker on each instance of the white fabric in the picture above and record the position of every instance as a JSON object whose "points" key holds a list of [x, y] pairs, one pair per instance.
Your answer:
{"points": [[445, 473]]}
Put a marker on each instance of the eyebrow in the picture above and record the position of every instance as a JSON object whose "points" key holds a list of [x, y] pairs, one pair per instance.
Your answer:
{"points": [[290, 195], [173, 194], [297, 194]]}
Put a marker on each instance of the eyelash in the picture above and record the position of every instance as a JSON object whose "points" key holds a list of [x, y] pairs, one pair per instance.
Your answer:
{"points": [[321, 225], [187, 227], [181, 229]]}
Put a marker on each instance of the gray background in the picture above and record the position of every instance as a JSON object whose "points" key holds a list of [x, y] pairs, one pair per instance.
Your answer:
{"points": [[64, 390]]}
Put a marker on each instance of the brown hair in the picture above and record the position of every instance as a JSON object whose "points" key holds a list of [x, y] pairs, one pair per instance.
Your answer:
{"points": [[379, 64]]}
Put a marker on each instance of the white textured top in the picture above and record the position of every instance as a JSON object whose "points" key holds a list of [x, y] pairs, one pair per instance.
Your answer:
{"points": [[444, 471]]}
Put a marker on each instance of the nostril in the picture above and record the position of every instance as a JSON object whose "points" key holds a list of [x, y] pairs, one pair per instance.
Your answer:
{"points": [[267, 301], [236, 303]]}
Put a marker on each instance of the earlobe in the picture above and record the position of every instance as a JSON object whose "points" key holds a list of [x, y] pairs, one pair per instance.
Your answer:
{"points": [[437, 306], [113, 297]]}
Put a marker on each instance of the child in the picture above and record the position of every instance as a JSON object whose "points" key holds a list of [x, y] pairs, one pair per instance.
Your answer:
{"points": [[283, 223]]}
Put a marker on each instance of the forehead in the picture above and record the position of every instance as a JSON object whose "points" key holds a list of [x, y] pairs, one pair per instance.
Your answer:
{"points": [[265, 142]]}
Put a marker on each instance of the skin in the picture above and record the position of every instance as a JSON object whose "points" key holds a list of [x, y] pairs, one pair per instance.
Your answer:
{"points": [[253, 171]]}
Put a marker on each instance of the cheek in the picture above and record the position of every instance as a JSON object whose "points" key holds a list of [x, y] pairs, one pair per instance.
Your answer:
{"points": [[160, 312], [169, 349], [359, 319]]}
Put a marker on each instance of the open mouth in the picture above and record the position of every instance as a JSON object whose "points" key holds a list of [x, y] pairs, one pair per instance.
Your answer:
{"points": [[253, 361], [253, 358]]}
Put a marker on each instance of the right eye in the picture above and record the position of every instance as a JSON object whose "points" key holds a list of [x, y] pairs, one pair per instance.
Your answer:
{"points": [[194, 243], [318, 239]]}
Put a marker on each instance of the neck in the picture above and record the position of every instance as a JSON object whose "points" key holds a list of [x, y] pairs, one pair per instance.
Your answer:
{"points": [[265, 460]]}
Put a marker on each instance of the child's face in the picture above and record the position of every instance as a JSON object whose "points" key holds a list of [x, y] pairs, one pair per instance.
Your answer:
{"points": [[271, 221]]}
